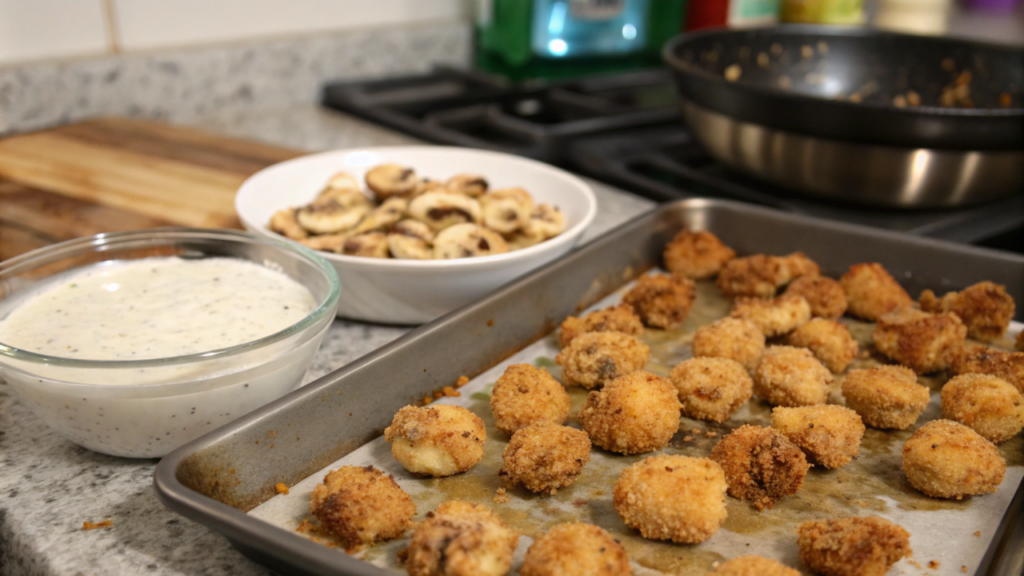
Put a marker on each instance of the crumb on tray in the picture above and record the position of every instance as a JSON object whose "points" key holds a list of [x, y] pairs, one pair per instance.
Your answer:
{"points": [[501, 497], [92, 526], [281, 488]]}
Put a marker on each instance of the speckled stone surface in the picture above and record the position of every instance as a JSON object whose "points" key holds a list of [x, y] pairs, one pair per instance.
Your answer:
{"points": [[189, 84], [49, 487]]}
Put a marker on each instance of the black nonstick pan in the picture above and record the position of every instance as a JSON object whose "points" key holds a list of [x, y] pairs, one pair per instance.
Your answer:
{"points": [[858, 114]]}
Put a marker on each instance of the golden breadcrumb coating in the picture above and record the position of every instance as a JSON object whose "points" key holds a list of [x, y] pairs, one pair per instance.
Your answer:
{"points": [[829, 435], [576, 549], [945, 459], [696, 255], [633, 414], [760, 464], [982, 360], [461, 539], [525, 394], [985, 308], [886, 397], [711, 388], [871, 291], [986, 404], [752, 566], [853, 546], [824, 294], [362, 506], [761, 275], [675, 498], [1019, 342], [829, 341], [788, 376], [732, 338], [596, 358], [775, 316], [920, 341], [661, 300], [619, 318], [545, 456], [438, 440]]}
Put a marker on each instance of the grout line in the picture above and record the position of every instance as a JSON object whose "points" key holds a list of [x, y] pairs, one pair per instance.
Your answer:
{"points": [[113, 34]]}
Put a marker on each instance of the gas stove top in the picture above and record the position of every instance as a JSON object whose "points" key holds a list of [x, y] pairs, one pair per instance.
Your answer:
{"points": [[625, 129]]}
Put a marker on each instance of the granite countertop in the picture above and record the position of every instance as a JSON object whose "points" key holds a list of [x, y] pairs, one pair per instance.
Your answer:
{"points": [[49, 487]]}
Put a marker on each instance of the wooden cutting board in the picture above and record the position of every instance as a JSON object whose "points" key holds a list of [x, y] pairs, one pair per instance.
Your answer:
{"points": [[114, 174]]}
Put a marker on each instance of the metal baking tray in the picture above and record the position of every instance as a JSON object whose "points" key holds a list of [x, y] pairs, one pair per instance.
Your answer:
{"points": [[215, 479]]}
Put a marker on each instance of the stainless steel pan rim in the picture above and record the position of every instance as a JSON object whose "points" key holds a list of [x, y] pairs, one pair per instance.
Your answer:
{"points": [[863, 173]]}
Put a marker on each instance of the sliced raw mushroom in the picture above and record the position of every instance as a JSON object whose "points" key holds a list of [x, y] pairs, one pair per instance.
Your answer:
{"points": [[389, 180], [443, 209], [506, 210], [411, 240], [343, 181], [326, 242], [370, 244], [284, 223], [468, 184], [427, 185], [468, 240], [384, 216], [547, 221], [328, 215]]}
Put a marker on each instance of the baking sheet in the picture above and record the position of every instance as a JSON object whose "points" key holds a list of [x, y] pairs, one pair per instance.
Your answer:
{"points": [[942, 531]]}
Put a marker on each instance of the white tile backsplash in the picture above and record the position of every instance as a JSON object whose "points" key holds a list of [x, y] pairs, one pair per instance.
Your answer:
{"points": [[42, 29], [148, 24]]}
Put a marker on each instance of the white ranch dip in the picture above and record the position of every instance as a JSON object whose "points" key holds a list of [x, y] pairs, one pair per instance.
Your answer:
{"points": [[156, 308]]}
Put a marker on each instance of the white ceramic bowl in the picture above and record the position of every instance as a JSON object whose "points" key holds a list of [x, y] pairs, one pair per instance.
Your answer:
{"points": [[415, 291]]}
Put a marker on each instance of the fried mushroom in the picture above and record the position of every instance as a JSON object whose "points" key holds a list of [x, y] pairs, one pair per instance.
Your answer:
{"points": [[525, 395], [619, 318], [711, 388], [732, 338], [824, 294], [986, 404], [985, 308], [362, 506], [871, 291], [696, 255], [545, 456], [760, 464], [921, 341], [761, 275], [829, 341], [632, 414], [829, 435], [853, 546], [788, 376], [461, 539], [983, 360], [438, 440], [752, 566], [945, 459], [773, 317], [661, 300], [886, 397], [593, 359], [675, 498], [576, 549]]}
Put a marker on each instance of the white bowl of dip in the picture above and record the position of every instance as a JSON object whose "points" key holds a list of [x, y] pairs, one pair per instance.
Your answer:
{"points": [[396, 291], [135, 343]]}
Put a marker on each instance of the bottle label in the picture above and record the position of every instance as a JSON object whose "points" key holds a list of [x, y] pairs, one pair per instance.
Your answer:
{"points": [[484, 13], [596, 9], [753, 12]]}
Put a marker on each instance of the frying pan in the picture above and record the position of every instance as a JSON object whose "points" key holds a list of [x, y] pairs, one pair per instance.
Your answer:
{"points": [[856, 114]]}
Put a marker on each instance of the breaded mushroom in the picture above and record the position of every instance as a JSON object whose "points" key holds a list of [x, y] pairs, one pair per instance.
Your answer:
{"points": [[438, 440], [633, 414], [985, 308], [871, 291], [829, 435], [576, 549], [711, 388], [886, 397], [525, 394], [1018, 344], [761, 275], [983, 360], [775, 316], [752, 566], [824, 294], [661, 300], [461, 539], [788, 376], [853, 546], [362, 506], [829, 341], [986, 404], [593, 359], [696, 255], [760, 464], [675, 498], [619, 318], [732, 338], [545, 456], [920, 341], [945, 459]]}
